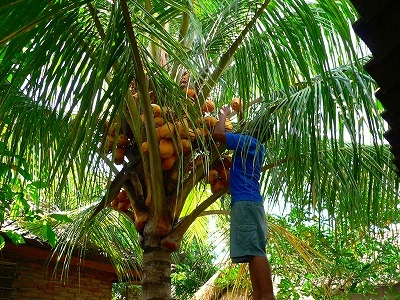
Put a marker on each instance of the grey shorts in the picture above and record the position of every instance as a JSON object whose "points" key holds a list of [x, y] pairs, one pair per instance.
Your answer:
{"points": [[248, 231]]}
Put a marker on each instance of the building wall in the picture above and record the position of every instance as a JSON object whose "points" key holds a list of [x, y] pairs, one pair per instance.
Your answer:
{"points": [[34, 280]]}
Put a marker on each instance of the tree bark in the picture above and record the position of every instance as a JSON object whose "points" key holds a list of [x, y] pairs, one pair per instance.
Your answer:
{"points": [[156, 281]]}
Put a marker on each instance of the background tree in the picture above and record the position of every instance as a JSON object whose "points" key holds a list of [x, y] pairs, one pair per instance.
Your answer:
{"points": [[103, 77]]}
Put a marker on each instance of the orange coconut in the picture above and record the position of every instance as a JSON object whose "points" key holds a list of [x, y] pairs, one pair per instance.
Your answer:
{"points": [[218, 185], [119, 155], [212, 176], [236, 104], [166, 148], [166, 131], [159, 121], [191, 92], [168, 163], [122, 140], [210, 121], [157, 111], [208, 106], [145, 147]]}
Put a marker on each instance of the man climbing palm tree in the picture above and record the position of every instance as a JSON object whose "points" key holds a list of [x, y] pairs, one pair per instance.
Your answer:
{"points": [[248, 224]]}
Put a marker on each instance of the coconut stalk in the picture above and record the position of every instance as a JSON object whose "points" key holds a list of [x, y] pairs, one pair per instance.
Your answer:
{"points": [[157, 191], [226, 57]]}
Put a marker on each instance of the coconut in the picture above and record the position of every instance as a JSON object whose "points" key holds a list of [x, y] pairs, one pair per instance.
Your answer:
{"points": [[157, 111], [145, 147], [218, 165], [124, 205], [218, 185], [122, 195], [166, 131], [182, 128], [186, 145], [225, 174], [166, 148], [208, 106], [236, 104], [159, 121], [191, 92], [122, 140], [140, 219], [119, 155], [168, 163], [114, 203], [205, 132], [210, 121], [212, 176], [192, 134]]}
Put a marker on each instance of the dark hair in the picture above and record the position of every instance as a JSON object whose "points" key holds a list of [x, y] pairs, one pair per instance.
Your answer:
{"points": [[260, 129], [262, 132]]}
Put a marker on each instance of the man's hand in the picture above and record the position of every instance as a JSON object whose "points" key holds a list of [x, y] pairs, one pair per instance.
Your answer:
{"points": [[219, 129], [225, 110]]}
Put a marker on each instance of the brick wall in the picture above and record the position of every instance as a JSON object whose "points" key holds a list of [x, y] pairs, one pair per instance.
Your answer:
{"points": [[35, 279]]}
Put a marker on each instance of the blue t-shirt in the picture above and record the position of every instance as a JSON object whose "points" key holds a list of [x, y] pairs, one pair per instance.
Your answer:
{"points": [[246, 165]]}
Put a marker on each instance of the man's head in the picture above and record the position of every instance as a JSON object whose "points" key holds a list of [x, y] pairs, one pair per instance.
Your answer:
{"points": [[261, 129]]}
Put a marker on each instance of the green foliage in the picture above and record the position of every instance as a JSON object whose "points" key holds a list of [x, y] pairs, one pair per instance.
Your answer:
{"points": [[193, 268], [19, 202], [358, 260], [231, 278], [126, 291]]}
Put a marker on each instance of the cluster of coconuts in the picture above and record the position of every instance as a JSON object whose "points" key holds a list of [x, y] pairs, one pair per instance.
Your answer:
{"points": [[175, 137], [218, 176], [118, 141], [166, 132], [121, 202]]}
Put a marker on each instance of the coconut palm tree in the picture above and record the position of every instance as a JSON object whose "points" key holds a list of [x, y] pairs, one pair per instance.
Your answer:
{"points": [[106, 101]]}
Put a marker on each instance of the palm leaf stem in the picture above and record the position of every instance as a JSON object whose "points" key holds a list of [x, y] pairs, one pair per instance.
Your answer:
{"points": [[153, 45], [96, 20], [143, 91], [215, 212], [132, 109], [115, 186], [226, 57], [185, 223], [183, 30], [195, 177], [108, 161]]}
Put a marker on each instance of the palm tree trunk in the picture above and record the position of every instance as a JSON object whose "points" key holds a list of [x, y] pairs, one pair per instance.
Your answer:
{"points": [[156, 281]]}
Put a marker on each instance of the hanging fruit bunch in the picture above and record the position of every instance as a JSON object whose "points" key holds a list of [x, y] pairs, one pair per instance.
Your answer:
{"points": [[218, 176], [121, 202], [176, 136], [117, 140], [181, 142]]}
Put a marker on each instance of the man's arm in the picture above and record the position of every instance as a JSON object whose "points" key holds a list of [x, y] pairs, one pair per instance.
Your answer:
{"points": [[219, 130]]}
